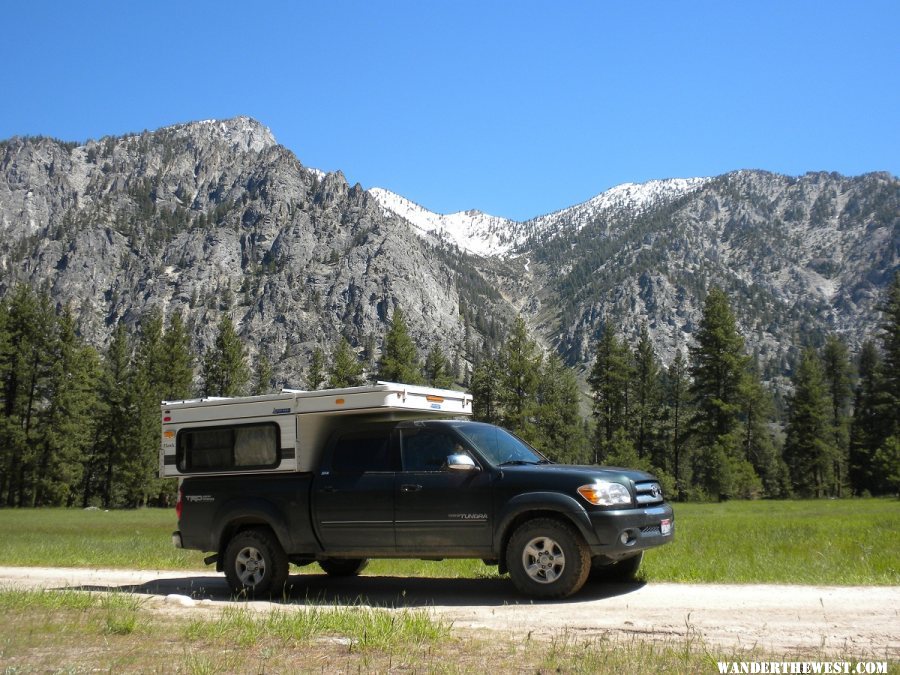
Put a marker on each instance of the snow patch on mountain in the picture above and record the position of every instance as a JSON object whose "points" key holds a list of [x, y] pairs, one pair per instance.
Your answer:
{"points": [[472, 231], [628, 197], [485, 235]]}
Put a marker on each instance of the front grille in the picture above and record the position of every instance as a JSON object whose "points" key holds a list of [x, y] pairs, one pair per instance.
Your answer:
{"points": [[648, 493]]}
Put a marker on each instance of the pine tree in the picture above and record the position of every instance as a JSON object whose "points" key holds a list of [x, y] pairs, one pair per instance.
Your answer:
{"points": [[887, 463], [399, 359], [31, 333], [676, 388], [115, 421], [887, 456], [369, 353], [67, 421], [867, 424], [836, 366], [316, 375], [890, 377], [875, 427], [486, 391], [346, 370], [520, 374], [646, 398], [610, 380], [560, 425], [437, 369], [809, 446], [225, 371], [623, 453], [717, 372], [136, 473], [5, 353], [263, 383], [6, 425], [758, 407], [177, 374]]}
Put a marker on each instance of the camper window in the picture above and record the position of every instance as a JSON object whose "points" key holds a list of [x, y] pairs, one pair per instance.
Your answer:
{"points": [[228, 448]]}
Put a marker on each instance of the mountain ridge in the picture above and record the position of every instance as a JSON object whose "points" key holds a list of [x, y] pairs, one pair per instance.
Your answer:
{"points": [[215, 217]]}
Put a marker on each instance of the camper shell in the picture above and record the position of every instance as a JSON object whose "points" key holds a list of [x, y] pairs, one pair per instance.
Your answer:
{"points": [[285, 432]]}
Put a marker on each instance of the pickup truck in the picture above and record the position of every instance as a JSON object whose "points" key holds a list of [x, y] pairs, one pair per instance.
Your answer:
{"points": [[429, 489]]}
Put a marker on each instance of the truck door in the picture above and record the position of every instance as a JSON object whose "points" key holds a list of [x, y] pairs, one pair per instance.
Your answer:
{"points": [[439, 510], [353, 495]]}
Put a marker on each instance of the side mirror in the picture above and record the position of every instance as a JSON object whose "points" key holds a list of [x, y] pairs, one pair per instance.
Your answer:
{"points": [[461, 463]]}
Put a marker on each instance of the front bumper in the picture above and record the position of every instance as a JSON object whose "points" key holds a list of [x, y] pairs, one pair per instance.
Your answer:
{"points": [[623, 533]]}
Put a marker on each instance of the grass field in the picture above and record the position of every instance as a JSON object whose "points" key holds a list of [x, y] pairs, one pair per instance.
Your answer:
{"points": [[841, 542]]}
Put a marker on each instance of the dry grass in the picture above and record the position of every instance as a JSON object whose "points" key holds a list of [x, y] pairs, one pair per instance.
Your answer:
{"points": [[71, 631]]}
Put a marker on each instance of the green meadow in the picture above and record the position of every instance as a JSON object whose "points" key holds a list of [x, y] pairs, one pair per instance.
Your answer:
{"points": [[840, 542]]}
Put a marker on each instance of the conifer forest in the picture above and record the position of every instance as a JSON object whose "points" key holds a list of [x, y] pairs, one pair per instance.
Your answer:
{"points": [[81, 426]]}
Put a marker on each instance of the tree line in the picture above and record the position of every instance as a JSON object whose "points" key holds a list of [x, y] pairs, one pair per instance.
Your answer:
{"points": [[81, 428]]}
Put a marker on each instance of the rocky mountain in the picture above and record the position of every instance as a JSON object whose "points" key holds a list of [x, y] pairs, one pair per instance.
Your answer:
{"points": [[215, 217], [798, 256]]}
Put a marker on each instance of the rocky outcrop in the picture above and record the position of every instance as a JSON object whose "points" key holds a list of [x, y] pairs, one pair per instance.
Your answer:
{"points": [[211, 218]]}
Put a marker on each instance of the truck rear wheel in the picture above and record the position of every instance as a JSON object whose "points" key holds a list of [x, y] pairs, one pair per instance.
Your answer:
{"points": [[338, 567], [547, 559], [255, 563]]}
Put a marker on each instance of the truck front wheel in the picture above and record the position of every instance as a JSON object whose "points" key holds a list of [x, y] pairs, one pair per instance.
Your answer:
{"points": [[255, 563], [338, 567], [547, 559]]}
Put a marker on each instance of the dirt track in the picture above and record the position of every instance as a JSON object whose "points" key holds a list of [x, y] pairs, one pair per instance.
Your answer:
{"points": [[782, 620]]}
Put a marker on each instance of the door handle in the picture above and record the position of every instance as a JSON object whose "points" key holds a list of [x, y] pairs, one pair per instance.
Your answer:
{"points": [[410, 488]]}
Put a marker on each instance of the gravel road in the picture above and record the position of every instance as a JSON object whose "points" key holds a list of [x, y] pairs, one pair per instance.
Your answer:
{"points": [[841, 622]]}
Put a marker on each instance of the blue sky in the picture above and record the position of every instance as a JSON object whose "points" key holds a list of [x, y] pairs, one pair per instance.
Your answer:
{"points": [[514, 108]]}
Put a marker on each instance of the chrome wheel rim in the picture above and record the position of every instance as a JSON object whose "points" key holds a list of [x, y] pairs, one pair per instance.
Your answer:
{"points": [[543, 560], [250, 566]]}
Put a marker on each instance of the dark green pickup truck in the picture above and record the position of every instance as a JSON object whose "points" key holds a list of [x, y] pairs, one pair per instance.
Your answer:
{"points": [[427, 489]]}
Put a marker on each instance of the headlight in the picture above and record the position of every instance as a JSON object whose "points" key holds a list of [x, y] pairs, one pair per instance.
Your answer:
{"points": [[603, 493]]}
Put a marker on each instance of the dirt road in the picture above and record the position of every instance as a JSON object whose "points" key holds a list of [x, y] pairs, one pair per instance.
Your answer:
{"points": [[842, 622]]}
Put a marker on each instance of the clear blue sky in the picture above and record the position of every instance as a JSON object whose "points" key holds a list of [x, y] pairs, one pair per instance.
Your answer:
{"points": [[514, 108]]}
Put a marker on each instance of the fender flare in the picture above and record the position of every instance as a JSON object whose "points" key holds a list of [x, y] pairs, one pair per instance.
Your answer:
{"points": [[251, 510], [556, 502]]}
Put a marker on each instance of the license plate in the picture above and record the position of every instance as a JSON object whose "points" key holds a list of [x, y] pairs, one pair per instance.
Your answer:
{"points": [[665, 526]]}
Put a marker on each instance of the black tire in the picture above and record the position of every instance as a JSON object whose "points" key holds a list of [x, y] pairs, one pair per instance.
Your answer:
{"points": [[255, 563], [602, 569], [340, 567], [547, 559]]}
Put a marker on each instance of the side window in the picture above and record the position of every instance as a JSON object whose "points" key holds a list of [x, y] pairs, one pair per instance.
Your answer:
{"points": [[256, 445], [205, 449], [228, 448], [428, 449], [360, 451]]}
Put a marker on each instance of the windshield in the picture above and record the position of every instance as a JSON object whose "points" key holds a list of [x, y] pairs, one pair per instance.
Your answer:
{"points": [[499, 446]]}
